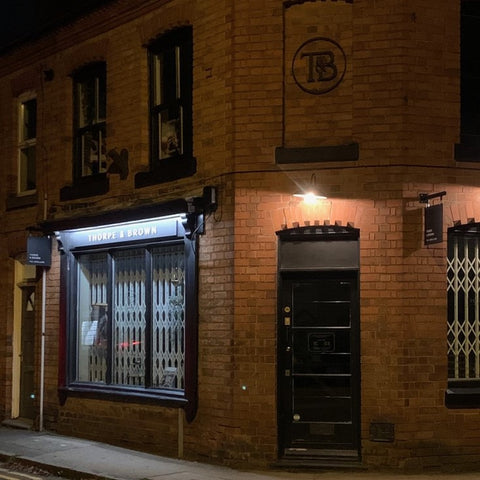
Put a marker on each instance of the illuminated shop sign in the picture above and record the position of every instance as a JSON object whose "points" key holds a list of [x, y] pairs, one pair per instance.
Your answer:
{"points": [[164, 227]]}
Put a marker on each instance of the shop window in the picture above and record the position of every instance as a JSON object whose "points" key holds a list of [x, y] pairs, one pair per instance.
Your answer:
{"points": [[469, 147], [170, 109], [27, 146], [89, 124], [125, 331], [131, 315], [463, 329]]}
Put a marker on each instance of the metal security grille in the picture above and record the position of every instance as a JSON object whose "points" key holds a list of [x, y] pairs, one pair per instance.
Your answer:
{"points": [[463, 289], [129, 318], [96, 270], [168, 317]]}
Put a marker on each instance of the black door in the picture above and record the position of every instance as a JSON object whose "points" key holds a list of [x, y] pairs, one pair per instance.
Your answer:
{"points": [[27, 371], [319, 365]]}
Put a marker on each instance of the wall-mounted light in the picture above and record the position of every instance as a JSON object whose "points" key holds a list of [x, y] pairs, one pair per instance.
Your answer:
{"points": [[311, 194]]}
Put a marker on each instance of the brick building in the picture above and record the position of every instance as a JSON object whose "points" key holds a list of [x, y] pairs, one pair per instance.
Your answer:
{"points": [[193, 305]]}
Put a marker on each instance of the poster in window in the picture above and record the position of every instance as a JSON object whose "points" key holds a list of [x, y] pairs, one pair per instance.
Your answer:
{"points": [[169, 377], [170, 135], [94, 331]]}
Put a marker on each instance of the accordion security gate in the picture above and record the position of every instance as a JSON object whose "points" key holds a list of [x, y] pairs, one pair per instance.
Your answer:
{"points": [[131, 329], [463, 274]]}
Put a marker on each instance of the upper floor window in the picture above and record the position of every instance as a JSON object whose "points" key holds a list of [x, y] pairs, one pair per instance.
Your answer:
{"points": [[170, 108], [469, 147], [27, 140], [90, 107]]}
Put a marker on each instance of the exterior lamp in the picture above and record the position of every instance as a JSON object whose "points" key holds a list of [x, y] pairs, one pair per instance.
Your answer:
{"points": [[311, 194]]}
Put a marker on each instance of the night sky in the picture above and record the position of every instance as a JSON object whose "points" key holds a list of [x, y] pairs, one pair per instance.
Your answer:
{"points": [[26, 19]]}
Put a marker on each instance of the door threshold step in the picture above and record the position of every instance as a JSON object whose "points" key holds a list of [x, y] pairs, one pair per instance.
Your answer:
{"points": [[321, 452], [20, 423], [307, 461]]}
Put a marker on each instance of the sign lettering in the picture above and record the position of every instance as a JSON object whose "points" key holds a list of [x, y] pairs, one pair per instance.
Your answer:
{"points": [[319, 65], [121, 232]]}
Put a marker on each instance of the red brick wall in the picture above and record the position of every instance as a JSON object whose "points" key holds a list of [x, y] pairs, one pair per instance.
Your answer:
{"points": [[398, 101]]}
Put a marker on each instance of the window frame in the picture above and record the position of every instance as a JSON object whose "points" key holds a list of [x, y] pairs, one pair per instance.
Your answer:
{"points": [[462, 392], [97, 73], [468, 150], [94, 183], [26, 144], [74, 243], [181, 164]]}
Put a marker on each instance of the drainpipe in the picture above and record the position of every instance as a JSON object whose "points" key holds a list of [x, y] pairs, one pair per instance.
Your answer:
{"points": [[42, 349]]}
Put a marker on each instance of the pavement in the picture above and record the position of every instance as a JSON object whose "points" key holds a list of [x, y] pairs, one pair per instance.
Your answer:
{"points": [[76, 458]]}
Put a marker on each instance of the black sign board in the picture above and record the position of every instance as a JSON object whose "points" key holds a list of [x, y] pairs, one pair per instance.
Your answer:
{"points": [[434, 224], [39, 251]]}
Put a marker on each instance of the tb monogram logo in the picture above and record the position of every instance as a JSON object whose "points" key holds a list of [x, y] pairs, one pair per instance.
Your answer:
{"points": [[319, 65]]}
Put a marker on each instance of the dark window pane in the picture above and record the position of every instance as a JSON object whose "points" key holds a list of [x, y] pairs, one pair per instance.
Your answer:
{"points": [[470, 68], [101, 97], [27, 180], [29, 124]]}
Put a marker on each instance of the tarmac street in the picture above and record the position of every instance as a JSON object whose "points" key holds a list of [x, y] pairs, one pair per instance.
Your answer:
{"points": [[83, 459]]}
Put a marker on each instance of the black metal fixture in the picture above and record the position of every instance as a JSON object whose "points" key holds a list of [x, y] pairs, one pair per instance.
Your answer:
{"points": [[198, 207], [425, 197], [207, 203], [311, 193]]}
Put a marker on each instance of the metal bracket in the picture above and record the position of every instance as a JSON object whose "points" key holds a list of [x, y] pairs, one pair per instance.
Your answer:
{"points": [[425, 197]]}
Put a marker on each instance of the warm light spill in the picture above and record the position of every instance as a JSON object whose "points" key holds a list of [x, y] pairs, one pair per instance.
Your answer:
{"points": [[310, 198]]}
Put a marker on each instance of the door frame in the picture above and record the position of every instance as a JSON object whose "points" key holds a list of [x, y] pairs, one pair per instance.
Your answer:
{"points": [[25, 276], [26, 292], [315, 252]]}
